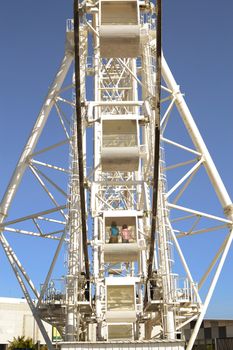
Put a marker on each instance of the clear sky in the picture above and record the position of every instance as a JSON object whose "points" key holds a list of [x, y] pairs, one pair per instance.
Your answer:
{"points": [[197, 43]]}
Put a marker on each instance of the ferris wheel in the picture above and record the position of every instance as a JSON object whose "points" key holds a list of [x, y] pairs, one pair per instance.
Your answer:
{"points": [[123, 170]]}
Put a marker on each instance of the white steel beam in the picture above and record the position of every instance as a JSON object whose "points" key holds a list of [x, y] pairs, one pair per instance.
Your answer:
{"points": [[34, 136], [204, 230], [25, 292], [36, 215], [186, 176], [45, 285], [166, 117], [196, 136], [199, 213], [55, 167], [46, 190], [206, 274], [59, 114], [211, 290], [10, 253], [185, 186], [31, 233], [178, 165], [49, 148], [58, 188], [185, 265], [180, 146]]}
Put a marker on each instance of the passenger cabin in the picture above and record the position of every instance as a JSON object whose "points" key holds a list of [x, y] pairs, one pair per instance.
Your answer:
{"points": [[120, 331], [119, 31], [121, 252], [120, 300], [120, 144]]}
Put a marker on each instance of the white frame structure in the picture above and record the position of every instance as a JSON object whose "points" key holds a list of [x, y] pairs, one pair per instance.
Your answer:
{"points": [[118, 83]]}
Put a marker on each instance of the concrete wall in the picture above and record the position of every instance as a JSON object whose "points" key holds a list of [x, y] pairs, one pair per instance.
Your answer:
{"points": [[16, 320]]}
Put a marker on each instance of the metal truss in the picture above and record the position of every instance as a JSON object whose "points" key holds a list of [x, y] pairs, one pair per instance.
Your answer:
{"points": [[123, 89]]}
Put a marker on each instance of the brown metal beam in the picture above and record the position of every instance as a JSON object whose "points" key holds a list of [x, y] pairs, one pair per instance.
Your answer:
{"points": [[79, 135], [157, 136]]}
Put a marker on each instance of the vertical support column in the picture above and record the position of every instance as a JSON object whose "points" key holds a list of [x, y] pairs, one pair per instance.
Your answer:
{"points": [[78, 253], [75, 252], [98, 226], [75, 246], [165, 265]]}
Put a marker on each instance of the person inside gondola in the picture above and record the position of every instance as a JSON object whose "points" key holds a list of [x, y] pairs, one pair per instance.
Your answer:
{"points": [[114, 233], [125, 234]]}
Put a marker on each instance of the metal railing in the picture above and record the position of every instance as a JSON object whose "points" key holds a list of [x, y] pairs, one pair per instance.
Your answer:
{"points": [[183, 291], [69, 25], [55, 292]]}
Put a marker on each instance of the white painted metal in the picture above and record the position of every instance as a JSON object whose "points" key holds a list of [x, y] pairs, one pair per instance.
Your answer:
{"points": [[210, 291], [120, 113], [17, 269], [196, 136], [215, 179], [158, 345], [119, 30], [35, 135]]}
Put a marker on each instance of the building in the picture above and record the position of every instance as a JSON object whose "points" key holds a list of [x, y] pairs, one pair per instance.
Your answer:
{"points": [[213, 334], [16, 320]]}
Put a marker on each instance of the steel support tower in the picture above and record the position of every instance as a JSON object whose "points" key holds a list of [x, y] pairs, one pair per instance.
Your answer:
{"points": [[120, 210]]}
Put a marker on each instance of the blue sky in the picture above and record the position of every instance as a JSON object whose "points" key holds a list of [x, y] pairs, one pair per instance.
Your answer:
{"points": [[197, 43]]}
